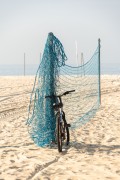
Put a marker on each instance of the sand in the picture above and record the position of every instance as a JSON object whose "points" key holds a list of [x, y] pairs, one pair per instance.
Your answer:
{"points": [[94, 155]]}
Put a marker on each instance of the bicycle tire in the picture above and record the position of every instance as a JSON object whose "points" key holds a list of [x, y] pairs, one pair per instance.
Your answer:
{"points": [[68, 136], [59, 134]]}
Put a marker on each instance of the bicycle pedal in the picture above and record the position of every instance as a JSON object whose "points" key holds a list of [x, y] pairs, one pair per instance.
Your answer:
{"points": [[68, 125]]}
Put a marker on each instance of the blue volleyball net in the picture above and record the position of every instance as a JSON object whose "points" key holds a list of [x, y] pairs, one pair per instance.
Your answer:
{"points": [[54, 76]]}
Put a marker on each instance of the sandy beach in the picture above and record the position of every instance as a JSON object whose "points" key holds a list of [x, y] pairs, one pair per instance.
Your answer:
{"points": [[94, 152]]}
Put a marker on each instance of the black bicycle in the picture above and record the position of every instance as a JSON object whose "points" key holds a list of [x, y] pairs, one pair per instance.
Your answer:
{"points": [[62, 127]]}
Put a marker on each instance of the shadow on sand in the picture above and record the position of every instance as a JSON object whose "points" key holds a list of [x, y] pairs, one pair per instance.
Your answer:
{"points": [[94, 148]]}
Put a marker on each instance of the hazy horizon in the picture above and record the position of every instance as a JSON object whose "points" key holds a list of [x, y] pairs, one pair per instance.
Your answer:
{"points": [[25, 25]]}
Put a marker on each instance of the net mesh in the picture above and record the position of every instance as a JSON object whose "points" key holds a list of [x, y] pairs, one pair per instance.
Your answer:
{"points": [[54, 76]]}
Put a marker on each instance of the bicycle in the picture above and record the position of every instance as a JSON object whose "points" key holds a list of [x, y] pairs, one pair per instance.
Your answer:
{"points": [[62, 127]]}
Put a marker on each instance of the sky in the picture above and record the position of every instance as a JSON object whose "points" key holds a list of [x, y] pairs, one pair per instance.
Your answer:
{"points": [[25, 24]]}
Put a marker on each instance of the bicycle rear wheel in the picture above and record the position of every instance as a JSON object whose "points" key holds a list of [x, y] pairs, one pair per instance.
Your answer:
{"points": [[68, 136], [66, 129], [59, 134]]}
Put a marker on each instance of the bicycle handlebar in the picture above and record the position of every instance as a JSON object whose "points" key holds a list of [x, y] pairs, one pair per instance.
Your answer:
{"points": [[65, 93]]}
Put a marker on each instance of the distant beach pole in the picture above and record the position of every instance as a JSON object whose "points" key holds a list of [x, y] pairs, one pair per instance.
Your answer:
{"points": [[76, 48], [24, 64], [82, 63], [99, 70]]}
